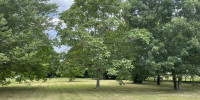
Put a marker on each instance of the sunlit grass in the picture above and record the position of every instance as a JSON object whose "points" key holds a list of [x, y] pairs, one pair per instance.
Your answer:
{"points": [[84, 89]]}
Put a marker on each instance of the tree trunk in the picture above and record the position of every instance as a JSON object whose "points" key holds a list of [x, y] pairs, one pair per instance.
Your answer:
{"points": [[192, 78], [154, 79], [98, 83], [137, 79], [158, 80], [175, 82], [179, 83], [185, 78], [70, 79]]}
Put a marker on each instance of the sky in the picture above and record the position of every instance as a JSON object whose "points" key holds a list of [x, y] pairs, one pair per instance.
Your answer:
{"points": [[62, 6]]}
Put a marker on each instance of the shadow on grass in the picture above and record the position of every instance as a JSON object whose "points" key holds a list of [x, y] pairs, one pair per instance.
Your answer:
{"points": [[145, 88]]}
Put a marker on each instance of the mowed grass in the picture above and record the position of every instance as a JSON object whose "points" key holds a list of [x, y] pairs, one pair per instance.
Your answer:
{"points": [[84, 89]]}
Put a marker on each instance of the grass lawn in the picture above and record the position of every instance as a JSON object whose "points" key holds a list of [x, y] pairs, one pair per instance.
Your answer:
{"points": [[83, 89]]}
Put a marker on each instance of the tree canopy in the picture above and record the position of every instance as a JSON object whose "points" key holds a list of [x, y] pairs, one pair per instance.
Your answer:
{"points": [[140, 38], [25, 47], [131, 39]]}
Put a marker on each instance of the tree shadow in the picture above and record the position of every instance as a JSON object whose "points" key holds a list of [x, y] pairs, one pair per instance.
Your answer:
{"points": [[149, 88]]}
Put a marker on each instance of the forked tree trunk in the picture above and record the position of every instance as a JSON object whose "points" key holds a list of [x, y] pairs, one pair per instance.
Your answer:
{"points": [[175, 82], [98, 84], [179, 83], [158, 80]]}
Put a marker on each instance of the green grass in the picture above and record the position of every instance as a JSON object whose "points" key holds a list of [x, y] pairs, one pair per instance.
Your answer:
{"points": [[84, 89]]}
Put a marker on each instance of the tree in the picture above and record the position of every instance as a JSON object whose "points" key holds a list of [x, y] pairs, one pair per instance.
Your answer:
{"points": [[26, 47], [5, 38], [54, 64], [102, 22], [89, 25], [70, 68], [73, 63], [134, 36], [153, 15], [179, 38]]}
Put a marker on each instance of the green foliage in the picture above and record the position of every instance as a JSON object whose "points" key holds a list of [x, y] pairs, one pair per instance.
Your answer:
{"points": [[121, 70], [173, 24], [180, 33], [25, 48], [132, 39], [90, 26], [73, 64]]}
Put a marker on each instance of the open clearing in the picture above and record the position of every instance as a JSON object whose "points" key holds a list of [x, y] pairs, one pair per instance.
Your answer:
{"points": [[84, 89]]}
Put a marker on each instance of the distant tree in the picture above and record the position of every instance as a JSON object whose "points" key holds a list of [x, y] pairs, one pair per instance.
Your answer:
{"points": [[54, 64], [73, 63]]}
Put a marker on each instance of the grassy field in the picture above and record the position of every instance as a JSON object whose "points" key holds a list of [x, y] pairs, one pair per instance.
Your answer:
{"points": [[83, 89]]}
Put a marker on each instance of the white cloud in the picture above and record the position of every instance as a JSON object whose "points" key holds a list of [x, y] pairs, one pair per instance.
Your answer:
{"points": [[56, 20], [63, 48], [62, 4]]}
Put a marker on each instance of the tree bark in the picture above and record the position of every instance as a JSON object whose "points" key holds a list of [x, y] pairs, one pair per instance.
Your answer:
{"points": [[137, 79], [175, 82], [70, 79], [98, 84], [179, 83], [185, 78], [192, 78], [158, 80]]}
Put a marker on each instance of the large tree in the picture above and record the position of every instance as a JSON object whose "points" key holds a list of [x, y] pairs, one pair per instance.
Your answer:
{"points": [[25, 47], [6, 39], [181, 41], [95, 26], [155, 16], [73, 63], [134, 33]]}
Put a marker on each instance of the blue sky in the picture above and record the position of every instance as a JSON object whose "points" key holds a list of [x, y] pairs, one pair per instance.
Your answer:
{"points": [[62, 6]]}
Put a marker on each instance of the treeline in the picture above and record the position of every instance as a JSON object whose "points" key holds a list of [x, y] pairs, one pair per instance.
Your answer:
{"points": [[132, 39], [129, 39]]}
